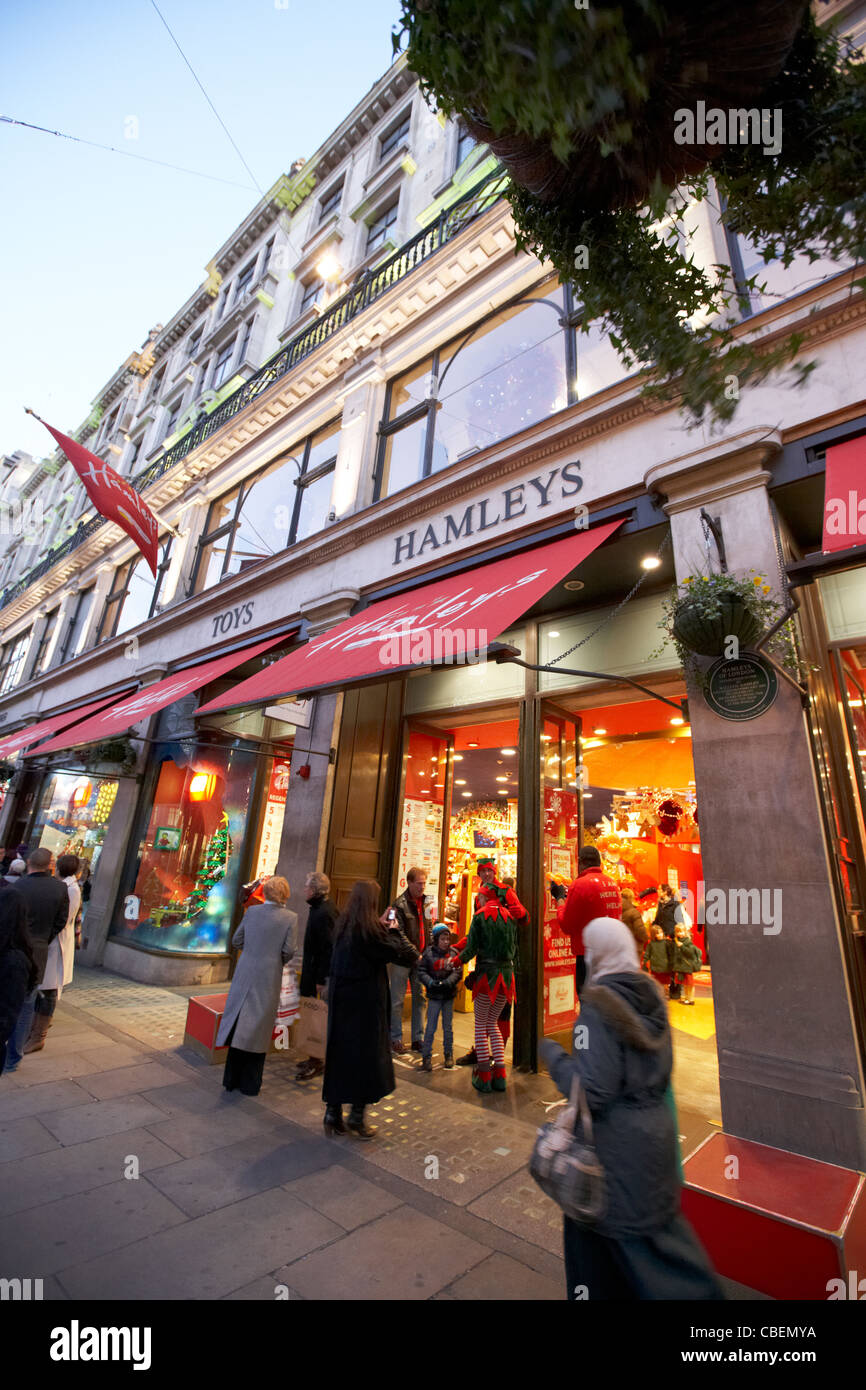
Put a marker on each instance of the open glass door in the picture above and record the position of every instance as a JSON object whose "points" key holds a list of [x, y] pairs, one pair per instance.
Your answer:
{"points": [[561, 822], [424, 808]]}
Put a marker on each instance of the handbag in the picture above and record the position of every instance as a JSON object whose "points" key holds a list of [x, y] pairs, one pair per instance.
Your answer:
{"points": [[565, 1164], [312, 1031], [290, 999]]}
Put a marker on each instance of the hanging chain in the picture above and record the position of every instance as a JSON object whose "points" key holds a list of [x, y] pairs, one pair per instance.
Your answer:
{"points": [[604, 622]]}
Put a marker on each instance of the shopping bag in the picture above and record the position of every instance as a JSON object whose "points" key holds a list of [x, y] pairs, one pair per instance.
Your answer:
{"points": [[565, 1164], [312, 1030], [290, 998]]}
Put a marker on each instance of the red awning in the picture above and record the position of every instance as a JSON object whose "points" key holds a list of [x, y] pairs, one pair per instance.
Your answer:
{"points": [[46, 727], [461, 614], [845, 496], [124, 713]]}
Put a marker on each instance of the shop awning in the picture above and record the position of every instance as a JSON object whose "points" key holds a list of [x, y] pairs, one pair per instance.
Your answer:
{"points": [[845, 496], [26, 737], [121, 715], [461, 614]]}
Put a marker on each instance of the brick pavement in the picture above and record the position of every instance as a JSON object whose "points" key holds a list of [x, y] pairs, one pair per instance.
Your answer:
{"points": [[238, 1198]]}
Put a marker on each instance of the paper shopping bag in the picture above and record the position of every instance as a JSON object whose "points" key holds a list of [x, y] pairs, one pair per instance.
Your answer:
{"points": [[312, 1030]]}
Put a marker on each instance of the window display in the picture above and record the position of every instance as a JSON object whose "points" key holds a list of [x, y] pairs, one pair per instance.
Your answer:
{"points": [[183, 890], [73, 815]]}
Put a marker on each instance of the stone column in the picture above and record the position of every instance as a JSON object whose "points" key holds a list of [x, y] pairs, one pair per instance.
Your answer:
{"points": [[789, 1065]]}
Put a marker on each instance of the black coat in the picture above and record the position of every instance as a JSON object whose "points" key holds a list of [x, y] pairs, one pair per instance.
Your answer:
{"points": [[318, 945], [47, 901], [358, 1065], [14, 989], [624, 1064]]}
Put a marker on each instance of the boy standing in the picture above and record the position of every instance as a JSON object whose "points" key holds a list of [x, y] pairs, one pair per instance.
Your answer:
{"points": [[440, 972]]}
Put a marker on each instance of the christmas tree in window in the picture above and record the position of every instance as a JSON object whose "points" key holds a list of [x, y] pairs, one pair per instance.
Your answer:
{"points": [[213, 868]]}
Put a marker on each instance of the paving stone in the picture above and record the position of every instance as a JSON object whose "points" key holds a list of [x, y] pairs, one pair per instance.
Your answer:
{"points": [[74, 1040], [196, 1134], [44, 1066], [79, 1169], [209, 1257], [115, 1055], [21, 1138], [58, 1234], [229, 1174], [193, 1098], [52, 1095], [500, 1277], [519, 1205], [402, 1256], [107, 1084], [342, 1195], [82, 1122]]}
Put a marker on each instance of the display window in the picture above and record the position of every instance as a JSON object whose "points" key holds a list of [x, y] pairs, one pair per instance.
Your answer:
{"points": [[73, 814], [183, 886], [560, 841]]}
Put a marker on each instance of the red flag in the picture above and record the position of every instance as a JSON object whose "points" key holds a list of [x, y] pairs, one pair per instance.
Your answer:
{"points": [[112, 496]]}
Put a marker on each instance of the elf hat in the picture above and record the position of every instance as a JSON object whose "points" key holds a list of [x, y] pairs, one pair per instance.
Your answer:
{"points": [[485, 860]]}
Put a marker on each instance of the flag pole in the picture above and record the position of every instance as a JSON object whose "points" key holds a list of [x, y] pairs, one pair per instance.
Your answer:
{"points": [[166, 525]]}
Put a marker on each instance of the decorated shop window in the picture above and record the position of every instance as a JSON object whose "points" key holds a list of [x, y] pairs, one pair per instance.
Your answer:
{"points": [[73, 815]]}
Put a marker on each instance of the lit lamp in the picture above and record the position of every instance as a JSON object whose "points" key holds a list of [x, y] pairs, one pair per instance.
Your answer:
{"points": [[81, 794], [202, 786], [328, 268]]}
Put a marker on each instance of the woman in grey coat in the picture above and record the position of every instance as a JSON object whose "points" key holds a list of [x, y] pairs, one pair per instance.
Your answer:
{"points": [[267, 935], [642, 1247]]}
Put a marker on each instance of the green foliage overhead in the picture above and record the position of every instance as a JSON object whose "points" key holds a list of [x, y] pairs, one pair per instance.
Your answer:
{"points": [[546, 70]]}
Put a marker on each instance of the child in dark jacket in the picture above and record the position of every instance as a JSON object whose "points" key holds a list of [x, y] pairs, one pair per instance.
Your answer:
{"points": [[440, 972]]}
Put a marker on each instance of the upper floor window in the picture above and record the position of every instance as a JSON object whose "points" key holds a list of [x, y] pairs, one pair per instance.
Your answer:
{"points": [[378, 230], [395, 136], [194, 342], [133, 596], [222, 362], [156, 384], [330, 202], [73, 637], [266, 258], [246, 335], [511, 373], [465, 143], [12, 661], [244, 280], [285, 502], [312, 290], [173, 417], [40, 661]]}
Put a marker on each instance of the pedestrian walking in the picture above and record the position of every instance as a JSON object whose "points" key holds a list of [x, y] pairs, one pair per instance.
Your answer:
{"points": [[592, 894], [267, 935], [18, 969], [17, 869], [358, 1066], [318, 946], [412, 914], [46, 900], [440, 971], [493, 942], [641, 1247], [61, 952]]}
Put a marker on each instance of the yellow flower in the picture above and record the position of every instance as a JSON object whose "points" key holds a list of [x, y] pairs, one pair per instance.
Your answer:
{"points": [[766, 588], [688, 579], [757, 579]]}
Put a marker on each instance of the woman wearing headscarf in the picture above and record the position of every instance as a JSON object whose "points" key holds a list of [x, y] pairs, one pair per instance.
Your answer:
{"points": [[642, 1247], [267, 935]]}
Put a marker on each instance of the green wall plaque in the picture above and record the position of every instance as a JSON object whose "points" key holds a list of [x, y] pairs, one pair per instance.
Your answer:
{"points": [[742, 688]]}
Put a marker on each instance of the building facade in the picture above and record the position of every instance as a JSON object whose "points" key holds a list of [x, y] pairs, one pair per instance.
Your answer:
{"points": [[372, 400]]}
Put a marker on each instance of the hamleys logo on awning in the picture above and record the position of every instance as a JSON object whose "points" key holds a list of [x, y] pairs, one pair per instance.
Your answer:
{"points": [[159, 695]]}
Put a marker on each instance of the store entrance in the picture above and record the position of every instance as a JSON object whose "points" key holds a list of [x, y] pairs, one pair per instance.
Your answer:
{"points": [[458, 802]]}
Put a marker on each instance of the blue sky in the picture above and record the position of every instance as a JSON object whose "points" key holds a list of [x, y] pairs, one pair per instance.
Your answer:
{"points": [[95, 248]]}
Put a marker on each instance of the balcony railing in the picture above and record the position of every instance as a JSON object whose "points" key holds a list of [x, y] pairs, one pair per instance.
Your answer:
{"points": [[372, 286]]}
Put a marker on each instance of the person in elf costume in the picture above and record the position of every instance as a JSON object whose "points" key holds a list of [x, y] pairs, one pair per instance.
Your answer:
{"points": [[492, 941], [492, 888]]}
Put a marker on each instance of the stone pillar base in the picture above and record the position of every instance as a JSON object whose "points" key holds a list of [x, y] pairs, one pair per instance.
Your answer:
{"points": [[154, 969]]}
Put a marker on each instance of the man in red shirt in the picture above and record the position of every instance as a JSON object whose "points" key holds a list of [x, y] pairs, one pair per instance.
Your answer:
{"points": [[592, 894]]}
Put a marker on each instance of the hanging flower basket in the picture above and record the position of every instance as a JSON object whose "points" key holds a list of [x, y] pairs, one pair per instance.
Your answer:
{"points": [[708, 634], [590, 111]]}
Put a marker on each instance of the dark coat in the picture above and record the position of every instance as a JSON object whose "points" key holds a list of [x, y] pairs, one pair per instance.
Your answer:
{"points": [[47, 901], [624, 1064], [633, 918], [358, 1066], [666, 917], [267, 935], [14, 989], [318, 945], [687, 957], [660, 956], [407, 918], [440, 972]]}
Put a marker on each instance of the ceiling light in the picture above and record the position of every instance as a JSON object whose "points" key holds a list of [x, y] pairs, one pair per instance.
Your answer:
{"points": [[502, 791], [650, 562], [599, 731], [502, 779], [553, 634], [587, 796], [461, 781], [425, 791], [678, 721], [458, 757], [545, 738], [573, 584], [471, 744], [465, 793]]}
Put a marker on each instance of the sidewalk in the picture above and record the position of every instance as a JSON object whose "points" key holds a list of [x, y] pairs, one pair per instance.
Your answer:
{"points": [[127, 1172]]}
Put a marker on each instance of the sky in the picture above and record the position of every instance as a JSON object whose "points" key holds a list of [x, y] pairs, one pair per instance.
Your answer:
{"points": [[96, 247]]}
